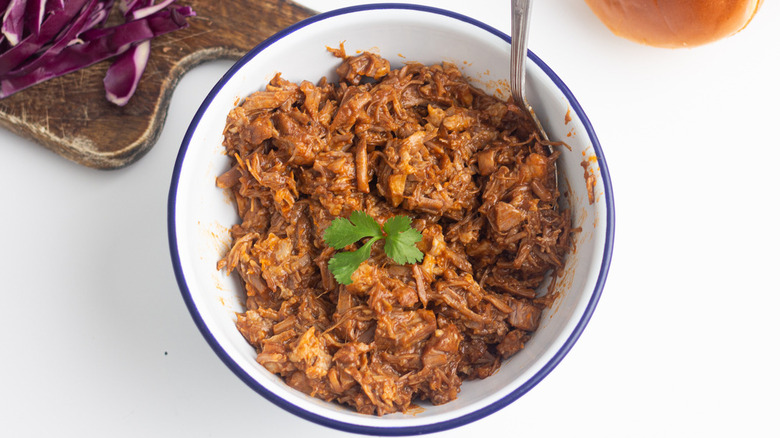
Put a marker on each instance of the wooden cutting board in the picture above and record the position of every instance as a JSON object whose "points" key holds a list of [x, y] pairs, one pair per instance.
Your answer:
{"points": [[71, 116]]}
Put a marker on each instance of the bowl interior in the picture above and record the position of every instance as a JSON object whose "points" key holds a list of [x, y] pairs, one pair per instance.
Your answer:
{"points": [[201, 214]]}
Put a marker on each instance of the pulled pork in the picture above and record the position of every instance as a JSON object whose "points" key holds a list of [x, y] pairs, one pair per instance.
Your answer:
{"points": [[420, 141]]}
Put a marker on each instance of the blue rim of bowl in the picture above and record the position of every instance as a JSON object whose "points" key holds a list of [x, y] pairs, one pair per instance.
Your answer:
{"points": [[404, 430]]}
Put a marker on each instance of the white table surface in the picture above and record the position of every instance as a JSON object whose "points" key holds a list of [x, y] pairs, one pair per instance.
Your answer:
{"points": [[96, 340]]}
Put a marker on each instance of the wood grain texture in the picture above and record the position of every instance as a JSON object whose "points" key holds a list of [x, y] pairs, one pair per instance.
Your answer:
{"points": [[71, 116]]}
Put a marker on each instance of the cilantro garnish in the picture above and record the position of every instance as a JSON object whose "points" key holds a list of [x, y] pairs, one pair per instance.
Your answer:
{"points": [[399, 236]]}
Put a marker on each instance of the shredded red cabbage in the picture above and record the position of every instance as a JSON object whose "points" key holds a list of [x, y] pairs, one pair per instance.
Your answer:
{"points": [[65, 26], [44, 39], [124, 74], [145, 11], [13, 21], [34, 16]]}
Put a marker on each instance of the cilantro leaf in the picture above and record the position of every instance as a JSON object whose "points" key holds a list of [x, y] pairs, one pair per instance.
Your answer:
{"points": [[342, 232], [400, 240], [343, 264], [397, 224], [399, 236], [365, 223]]}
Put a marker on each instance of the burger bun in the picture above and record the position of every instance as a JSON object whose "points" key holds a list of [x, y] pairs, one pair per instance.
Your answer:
{"points": [[675, 23]]}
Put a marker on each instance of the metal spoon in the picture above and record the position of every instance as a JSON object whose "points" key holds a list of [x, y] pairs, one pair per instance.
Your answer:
{"points": [[521, 14]]}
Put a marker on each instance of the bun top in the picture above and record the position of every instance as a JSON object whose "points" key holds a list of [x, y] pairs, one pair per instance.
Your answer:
{"points": [[675, 23]]}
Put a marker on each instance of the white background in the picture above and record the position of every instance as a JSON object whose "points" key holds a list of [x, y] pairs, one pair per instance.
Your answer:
{"points": [[96, 340]]}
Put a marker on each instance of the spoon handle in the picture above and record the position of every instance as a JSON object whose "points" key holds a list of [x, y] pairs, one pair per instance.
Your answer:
{"points": [[521, 13]]}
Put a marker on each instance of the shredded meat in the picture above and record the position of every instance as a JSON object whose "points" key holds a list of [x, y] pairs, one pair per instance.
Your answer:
{"points": [[420, 141]]}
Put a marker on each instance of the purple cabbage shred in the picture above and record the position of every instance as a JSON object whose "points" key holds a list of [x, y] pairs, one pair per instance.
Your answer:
{"points": [[124, 74], [45, 39], [13, 21]]}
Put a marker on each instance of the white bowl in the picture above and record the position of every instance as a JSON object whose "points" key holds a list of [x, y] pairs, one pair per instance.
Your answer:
{"points": [[200, 214]]}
